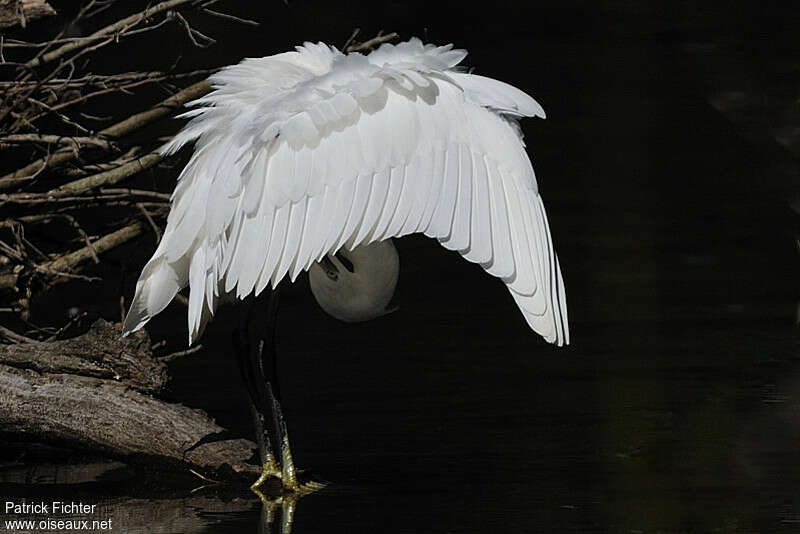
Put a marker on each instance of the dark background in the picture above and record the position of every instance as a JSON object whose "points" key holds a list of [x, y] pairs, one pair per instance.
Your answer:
{"points": [[668, 163]]}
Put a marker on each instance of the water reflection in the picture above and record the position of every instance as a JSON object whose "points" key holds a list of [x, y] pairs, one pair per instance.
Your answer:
{"points": [[158, 503], [277, 514], [131, 502]]}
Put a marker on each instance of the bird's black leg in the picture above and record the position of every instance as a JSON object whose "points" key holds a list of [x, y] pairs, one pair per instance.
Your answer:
{"points": [[257, 356], [254, 339]]}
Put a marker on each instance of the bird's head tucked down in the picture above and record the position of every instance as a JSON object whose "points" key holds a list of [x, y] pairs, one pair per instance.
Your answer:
{"points": [[356, 285]]}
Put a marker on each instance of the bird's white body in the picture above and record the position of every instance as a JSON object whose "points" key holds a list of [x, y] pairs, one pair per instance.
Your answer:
{"points": [[302, 153]]}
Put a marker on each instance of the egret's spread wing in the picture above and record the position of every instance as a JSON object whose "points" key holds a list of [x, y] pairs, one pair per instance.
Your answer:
{"points": [[302, 153]]}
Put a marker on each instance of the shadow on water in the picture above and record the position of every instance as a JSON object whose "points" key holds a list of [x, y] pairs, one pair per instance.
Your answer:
{"points": [[675, 409]]}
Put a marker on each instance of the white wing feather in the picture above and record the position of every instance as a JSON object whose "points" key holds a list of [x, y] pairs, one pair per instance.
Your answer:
{"points": [[302, 153]]}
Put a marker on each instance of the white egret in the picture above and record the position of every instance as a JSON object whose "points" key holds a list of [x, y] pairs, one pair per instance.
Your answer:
{"points": [[306, 159]]}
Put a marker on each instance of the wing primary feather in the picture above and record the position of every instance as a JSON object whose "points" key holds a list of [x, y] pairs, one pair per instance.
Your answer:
{"points": [[311, 232], [437, 182], [558, 297], [297, 218], [230, 243], [265, 272], [524, 281], [442, 219], [502, 265], [256, 248], [423, 171], [196, 291], [363, 186], [480, 242], [404, 204], [344, 204], [396, 179], [375, 205], [458, 239], [276, 242], [562, 303], [256, 183], [299, 260], [329, 207]]}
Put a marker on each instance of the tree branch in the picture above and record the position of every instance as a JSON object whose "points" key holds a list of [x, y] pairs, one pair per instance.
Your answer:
{"points": [[102, 33], [371, 43], [70, 261], [117, 130], [111, 176]]}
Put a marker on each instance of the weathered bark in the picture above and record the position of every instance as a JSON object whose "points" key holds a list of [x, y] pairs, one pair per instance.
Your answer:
{"points": [[94, 392], [100, 353], [20, 12]]}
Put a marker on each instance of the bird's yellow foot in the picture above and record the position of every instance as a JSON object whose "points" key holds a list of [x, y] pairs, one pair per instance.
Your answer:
{"points": [[283, 480], [270, 473], [279, 501], [272, 486]]}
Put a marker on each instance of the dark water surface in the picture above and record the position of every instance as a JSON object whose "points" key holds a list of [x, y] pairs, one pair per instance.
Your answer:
{"points": [[677, 406]]}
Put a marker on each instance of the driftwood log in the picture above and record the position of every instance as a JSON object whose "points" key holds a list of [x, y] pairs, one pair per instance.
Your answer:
{"points": [[97, 392]]}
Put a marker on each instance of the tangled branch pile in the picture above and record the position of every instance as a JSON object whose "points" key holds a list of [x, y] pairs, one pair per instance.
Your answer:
{"points": [[64, 199]]}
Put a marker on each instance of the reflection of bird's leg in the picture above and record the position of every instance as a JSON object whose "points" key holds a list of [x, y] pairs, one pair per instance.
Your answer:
{"points": [[283, 505]]}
